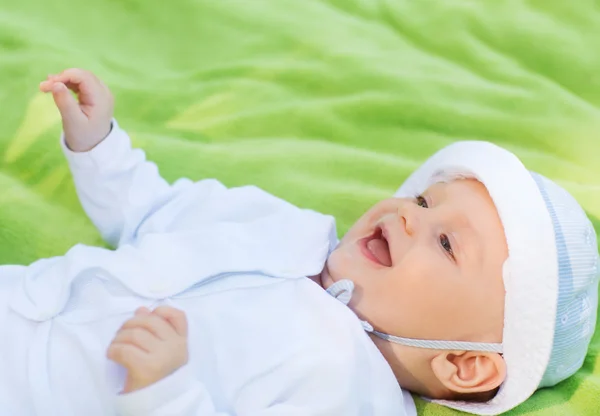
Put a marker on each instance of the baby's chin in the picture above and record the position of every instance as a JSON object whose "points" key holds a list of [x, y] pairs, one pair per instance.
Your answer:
{"points": [[326, 279], [340, 265]]}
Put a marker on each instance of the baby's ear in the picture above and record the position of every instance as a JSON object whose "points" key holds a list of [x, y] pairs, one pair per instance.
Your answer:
{"points": [[466, 372]]}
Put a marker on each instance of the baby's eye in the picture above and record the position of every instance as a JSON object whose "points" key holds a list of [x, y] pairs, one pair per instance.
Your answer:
{"points": [[421, 201], [445, 242]]}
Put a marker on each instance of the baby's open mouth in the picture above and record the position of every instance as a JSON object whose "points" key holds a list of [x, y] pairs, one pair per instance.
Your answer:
{"points": [[376, 248]]}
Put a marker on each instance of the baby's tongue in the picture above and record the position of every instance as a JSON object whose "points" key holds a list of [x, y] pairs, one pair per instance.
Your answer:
{"points": [[381, 251]]}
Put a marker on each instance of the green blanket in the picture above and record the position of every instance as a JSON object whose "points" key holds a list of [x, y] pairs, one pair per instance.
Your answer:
{"points": [[329, 104]]}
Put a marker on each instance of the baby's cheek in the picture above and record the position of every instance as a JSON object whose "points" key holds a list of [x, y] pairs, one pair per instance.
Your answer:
{"points": [[341, 264], [333, 262]]}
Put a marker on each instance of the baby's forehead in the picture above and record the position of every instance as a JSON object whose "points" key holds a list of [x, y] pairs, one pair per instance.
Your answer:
{"points": [[466, 200], [462, 187], [459, 187]]}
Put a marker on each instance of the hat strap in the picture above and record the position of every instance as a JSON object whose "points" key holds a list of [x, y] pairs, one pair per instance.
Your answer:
{"points": [[436, 345], [342, 291]]}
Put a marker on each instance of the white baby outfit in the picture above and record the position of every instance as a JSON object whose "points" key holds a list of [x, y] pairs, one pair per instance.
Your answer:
{"points": [[263, 338]]}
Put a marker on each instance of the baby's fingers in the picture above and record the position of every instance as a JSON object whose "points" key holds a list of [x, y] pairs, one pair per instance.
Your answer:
{"points": [[74, 76], [175, 317], [46, 86], [138, 337], [66, 103], [129, 356], [152, 323], [82, 82]]}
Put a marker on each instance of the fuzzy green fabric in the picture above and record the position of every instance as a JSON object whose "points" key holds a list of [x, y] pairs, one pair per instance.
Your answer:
{"points": [[329, 104]]}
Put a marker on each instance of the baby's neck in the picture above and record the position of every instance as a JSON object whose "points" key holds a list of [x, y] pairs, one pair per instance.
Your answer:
{"points": [[317, 279]]}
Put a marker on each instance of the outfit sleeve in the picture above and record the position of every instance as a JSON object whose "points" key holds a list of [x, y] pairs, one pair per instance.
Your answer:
{"points": [[178, 394], [119, 189], [307, 394]]}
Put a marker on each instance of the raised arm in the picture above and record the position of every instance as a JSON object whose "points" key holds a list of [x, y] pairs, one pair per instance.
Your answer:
{"points": [[118, 189]]}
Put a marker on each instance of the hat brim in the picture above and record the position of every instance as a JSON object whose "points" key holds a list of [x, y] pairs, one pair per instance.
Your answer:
{"points": [[530, 273]]}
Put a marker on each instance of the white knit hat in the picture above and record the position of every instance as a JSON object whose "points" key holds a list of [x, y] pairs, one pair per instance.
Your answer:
{"points": [[550, 276]]}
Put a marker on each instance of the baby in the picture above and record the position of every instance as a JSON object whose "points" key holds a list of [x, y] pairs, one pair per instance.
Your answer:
{"points": [[475, 285]]}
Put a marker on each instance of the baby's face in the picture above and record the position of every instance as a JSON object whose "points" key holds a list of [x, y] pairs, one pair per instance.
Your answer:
{"points": [[428, 267]]}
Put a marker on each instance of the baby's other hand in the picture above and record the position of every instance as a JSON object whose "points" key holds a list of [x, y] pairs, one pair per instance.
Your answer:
{"points": [[151, 346], [86, 121]]}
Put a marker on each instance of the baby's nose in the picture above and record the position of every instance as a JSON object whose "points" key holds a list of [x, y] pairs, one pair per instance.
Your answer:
{"points": [[409, 217]]}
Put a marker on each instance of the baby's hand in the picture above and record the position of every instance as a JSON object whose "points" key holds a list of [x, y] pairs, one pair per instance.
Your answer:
{"points": [[151, 346], [87, 122]]}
